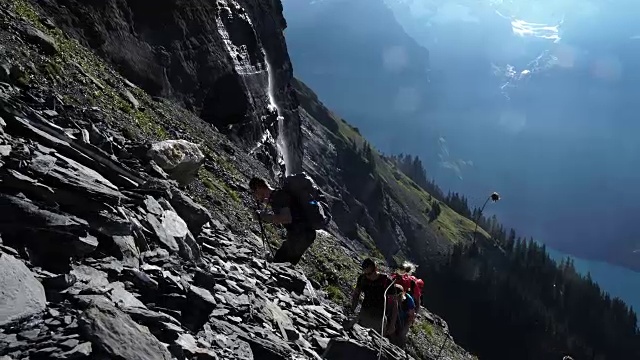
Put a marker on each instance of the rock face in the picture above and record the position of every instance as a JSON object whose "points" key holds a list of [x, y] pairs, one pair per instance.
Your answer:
{"points": [[226, 60]]}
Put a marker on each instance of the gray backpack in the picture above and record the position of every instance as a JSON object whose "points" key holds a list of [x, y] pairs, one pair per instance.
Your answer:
{"points": [[310, 204]]}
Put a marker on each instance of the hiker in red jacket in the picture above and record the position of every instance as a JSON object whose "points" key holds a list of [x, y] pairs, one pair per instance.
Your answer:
{"points": [[411, 284]]}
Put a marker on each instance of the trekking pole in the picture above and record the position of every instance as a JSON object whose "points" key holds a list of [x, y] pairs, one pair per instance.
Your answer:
{"points": [[446, 339], [265, 245]]}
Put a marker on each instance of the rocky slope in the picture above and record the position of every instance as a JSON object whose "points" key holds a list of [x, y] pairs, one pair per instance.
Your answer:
{"points": [[126, 228]]}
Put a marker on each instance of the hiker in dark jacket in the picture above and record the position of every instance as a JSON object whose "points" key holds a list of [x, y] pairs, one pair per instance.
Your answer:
{"points": [[373, 284], [286, 212]]}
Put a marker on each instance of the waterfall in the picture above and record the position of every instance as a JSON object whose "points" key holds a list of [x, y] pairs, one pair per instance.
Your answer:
{"points": [[254, 74], [273, 105]]}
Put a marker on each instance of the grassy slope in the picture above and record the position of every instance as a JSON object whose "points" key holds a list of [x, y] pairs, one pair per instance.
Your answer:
{"points": [[450, 226]]}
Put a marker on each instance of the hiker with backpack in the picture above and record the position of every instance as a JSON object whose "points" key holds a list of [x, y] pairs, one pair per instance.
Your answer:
{"points": [[374, 314], [299, 206], [404, 316], [410, 283]]}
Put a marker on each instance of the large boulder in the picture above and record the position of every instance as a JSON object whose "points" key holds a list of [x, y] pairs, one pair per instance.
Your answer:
{"points": [[179, 158], [21, 294], [117, 335]]}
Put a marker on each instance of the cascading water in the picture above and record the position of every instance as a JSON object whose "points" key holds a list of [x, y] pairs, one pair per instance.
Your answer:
{"points": [[252, 76], [273, 106]]}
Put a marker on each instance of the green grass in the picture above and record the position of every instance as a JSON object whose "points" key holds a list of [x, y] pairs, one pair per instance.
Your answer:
{"points": [[424, 327], [328, 264], [217, 186], [98, 92]]}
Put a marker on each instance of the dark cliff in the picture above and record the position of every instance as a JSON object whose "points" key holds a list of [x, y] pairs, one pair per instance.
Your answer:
{"points": [[215, 58]]}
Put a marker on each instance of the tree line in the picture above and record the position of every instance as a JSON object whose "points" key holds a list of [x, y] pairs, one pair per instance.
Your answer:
{"points": [[510, 300]]}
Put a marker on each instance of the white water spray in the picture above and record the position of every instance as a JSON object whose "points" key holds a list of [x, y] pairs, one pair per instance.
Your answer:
{"points": [[245, 68], [273, 106]]}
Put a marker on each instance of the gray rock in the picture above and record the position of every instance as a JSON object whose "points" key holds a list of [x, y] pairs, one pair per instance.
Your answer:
{"points": [[5, 73], [59, 233], [46, 42], [70, 343], [122, 297], [153, 206], [289, 278], [141, 279], [199, 305], [179, 158], [5, 150], [117, 335], [130, 98], [127, 250], [186, 346], [167, 241], [345, 349], [21, 294], [149, 317], [80, 351], [195, 215]]}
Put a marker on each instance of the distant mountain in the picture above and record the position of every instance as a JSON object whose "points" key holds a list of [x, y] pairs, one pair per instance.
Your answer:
{"points": [[358, 58], [534, 101]]}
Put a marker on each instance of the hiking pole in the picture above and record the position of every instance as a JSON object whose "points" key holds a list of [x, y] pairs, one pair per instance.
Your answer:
{"points": [[446, 339], [265, 245]]}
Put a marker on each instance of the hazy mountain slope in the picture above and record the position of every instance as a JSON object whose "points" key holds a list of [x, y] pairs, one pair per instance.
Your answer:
{"points": [[354, 51]]}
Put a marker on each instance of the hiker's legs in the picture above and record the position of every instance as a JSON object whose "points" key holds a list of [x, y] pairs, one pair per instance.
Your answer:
{"points": [[399, 337], [294, 246], [371, 320]]}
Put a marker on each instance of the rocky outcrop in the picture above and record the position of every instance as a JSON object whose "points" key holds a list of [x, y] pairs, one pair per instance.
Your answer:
{"points": [[21, 294], [226, 60]]}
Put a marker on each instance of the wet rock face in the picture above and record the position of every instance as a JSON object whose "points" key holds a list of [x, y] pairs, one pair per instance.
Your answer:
{"points": [[211, 56]]}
